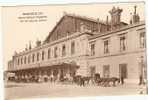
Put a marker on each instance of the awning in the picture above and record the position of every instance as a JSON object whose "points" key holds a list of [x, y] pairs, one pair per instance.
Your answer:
{"points": [[54, 66]]}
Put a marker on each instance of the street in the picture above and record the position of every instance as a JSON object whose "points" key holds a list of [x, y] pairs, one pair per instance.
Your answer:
{"points": [[35, 90]]}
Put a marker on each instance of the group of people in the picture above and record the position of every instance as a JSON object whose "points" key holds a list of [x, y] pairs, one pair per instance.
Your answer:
{"points": [[75, 79]]}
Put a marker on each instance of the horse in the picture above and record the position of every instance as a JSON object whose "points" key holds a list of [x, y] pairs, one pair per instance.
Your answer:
{"points": [[107, 81], [86, 79], [77, 79]]}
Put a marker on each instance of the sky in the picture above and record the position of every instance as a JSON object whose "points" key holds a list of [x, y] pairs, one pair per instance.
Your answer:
{"points": [[17, 34]]}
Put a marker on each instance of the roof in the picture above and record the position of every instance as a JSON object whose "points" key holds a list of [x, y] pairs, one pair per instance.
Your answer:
{"points": [[127, 26], [75, 16]]}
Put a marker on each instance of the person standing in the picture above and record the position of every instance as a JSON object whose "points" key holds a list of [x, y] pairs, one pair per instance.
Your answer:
{"points": [[122, 79], [140, 80]]}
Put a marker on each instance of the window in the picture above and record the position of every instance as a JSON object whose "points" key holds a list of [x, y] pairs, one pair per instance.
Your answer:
{"points": [[55, 52], [142, 40], [18, 62], [28, 59], [22, 60], [122, 43], [25, 60], [92, 47], [72, 47], [33, 55], [106, 46], [43, 54], [106, 71], [92, 71], [38, 55], [123, 70], [63, 50], [48, 53]]}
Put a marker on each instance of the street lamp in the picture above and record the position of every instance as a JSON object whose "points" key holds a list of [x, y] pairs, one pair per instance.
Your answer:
{"points": [[142, 70]]}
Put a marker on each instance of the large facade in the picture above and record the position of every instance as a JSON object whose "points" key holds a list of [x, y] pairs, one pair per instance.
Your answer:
{"points": [[83, 46]]}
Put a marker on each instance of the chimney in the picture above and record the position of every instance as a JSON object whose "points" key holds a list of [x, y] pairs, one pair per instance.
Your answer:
{"points": [[115, 17], [107, 25], [131, 18], [136, 17], [135, 7], [30, 45], [38, 43], [99, 25]]}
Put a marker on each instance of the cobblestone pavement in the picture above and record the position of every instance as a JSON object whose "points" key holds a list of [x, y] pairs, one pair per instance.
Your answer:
{"points": [[35, 90]]}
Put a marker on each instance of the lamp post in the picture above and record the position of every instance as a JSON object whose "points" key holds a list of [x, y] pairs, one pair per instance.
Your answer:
{"points": [[142, 66]]}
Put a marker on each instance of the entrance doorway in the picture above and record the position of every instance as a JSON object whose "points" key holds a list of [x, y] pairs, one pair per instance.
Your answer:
{"points": [[123, 70]]}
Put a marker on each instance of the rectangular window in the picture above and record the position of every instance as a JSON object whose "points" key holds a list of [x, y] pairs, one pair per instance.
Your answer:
{"points": [[106, 46], [92, 71], [142, 40], [122, 43], [63, 50], [48, 53], [123, 70], [72, 47], [55, 52], [106, 71], [92, 47]]}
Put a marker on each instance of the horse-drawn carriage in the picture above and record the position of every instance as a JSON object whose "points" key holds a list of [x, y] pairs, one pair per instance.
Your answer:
{"points": [[97, 80]]}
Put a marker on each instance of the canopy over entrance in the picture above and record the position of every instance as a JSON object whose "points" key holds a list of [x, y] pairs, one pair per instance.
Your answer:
{"points": [[56, 66]]}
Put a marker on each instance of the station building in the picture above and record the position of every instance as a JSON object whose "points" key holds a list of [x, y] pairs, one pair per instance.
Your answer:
{"points": [[79, 45]]}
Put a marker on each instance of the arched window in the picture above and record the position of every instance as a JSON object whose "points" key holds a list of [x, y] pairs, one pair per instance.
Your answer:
{"points": [[63, 50], [25, 60], [22, 60], [33, 55], [72, 47], [28, 59], [48, 53], [43, 54], [38, 56], [18, 61], [55, 52]]}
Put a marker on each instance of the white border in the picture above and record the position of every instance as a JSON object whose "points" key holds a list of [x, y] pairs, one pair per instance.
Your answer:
{"points": [[39, 2]]}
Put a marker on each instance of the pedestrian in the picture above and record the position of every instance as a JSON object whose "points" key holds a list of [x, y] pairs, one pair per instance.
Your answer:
{"points": [[82, 81], [140, 80], [122, 80]]}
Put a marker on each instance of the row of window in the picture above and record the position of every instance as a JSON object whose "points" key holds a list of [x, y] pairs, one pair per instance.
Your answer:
{"points": [[31, 58], [106, 70], [122, 44]]}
